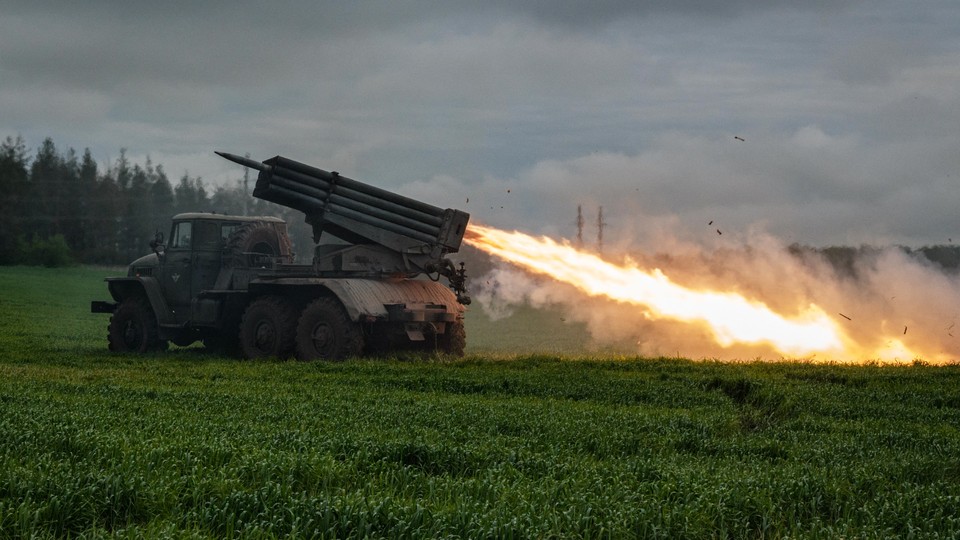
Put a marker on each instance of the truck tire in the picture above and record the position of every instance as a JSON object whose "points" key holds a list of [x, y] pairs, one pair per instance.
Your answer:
{"points": [[268, 328], [326, 332], [133, 327], [454, 340], [252, 241]]}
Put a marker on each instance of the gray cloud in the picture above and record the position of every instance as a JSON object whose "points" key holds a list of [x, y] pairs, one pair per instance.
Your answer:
{"points": [[848, 111]]}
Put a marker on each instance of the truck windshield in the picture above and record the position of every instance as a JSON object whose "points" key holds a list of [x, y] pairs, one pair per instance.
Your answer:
{"points": [[181, 235]]}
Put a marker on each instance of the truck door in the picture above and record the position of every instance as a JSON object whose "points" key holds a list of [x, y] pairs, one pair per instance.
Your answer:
{"points": [[207, 255], [176, 270]]}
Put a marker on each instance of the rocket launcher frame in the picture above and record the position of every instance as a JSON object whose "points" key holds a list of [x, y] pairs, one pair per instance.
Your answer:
{"points": [[360, 213]]}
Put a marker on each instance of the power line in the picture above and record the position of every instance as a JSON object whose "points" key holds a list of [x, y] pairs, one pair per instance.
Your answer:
{"points": [[580, 225], [600, 226]]}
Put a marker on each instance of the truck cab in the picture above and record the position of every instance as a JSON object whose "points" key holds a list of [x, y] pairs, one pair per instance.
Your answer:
{"points": [[175, 281], [197, 252]]}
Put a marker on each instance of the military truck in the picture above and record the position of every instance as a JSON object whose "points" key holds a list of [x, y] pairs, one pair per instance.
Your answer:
{"points": [[231, 281]]}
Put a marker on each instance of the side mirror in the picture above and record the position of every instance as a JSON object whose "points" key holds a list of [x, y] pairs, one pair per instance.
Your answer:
{"points": [[157, 244]]}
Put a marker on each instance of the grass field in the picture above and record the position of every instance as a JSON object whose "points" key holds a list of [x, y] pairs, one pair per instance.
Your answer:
{"points": [[186, 444]]}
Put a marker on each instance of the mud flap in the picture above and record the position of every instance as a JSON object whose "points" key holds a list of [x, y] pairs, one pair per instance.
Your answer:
{"points": [[414, 332]]}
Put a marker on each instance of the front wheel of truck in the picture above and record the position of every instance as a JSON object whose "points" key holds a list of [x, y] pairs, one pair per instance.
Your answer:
{"points": [[133, 327]]}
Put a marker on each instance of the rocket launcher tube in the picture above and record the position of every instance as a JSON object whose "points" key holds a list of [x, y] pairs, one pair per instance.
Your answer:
{"points": [[281, 176], [392, 207], [339, 200], [308, 205], [290, 199], [284, 168], [304, 189], [299, 178], [385, 225], [354, 185]]}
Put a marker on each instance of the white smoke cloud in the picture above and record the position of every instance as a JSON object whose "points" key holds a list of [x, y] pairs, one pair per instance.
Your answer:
{"points": [[884, 297]]}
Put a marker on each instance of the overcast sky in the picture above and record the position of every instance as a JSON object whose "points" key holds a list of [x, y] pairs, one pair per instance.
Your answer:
{"points": [[849, 112]]}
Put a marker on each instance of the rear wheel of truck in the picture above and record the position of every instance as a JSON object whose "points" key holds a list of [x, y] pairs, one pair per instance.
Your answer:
{"points": [[326, 332], [268, 328], [133, 327], [454, 340]]}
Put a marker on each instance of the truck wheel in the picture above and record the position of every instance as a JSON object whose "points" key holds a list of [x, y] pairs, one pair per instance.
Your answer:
{"points": [[268, 328], [133, 327], [325, 331], [454, 340], [254, 240]]}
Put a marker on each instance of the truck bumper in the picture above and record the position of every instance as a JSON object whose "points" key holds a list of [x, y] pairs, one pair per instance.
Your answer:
{"points": [[419, 313]]}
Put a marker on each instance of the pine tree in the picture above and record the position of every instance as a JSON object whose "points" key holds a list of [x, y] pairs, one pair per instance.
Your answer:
{"points": [[13, 190], [70, 197], [89, 216], [108, 202], [45, 196], [161, 201]]}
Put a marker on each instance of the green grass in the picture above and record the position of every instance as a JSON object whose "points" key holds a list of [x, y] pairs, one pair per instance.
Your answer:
{"points": [[538, 445]]}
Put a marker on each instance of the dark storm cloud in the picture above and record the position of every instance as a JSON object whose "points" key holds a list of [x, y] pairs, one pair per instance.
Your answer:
{"points": [[847, 111]]}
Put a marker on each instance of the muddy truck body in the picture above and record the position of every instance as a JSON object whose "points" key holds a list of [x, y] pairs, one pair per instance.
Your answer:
{"points": [[231, 281]]}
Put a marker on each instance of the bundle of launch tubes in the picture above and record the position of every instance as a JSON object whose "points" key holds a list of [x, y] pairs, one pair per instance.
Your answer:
{"points": [[317, 193]]}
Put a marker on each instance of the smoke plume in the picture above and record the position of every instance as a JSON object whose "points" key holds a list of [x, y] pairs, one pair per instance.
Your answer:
{"points": [[891, 306]]}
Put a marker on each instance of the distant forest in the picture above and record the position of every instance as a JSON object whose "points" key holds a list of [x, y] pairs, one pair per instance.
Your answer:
{"points": [[58, 207]]}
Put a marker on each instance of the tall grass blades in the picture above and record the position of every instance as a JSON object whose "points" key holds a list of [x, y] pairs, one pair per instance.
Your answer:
{"points": [[188, 444]]}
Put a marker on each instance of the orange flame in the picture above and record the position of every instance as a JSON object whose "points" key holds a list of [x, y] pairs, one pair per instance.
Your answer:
{"points": [[731, 317]]}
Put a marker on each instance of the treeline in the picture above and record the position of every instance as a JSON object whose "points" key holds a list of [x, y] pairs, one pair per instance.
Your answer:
{"points": [[58, 207]]}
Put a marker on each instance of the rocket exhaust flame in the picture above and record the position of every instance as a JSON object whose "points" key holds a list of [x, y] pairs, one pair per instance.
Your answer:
{"points": [[731, 318]]}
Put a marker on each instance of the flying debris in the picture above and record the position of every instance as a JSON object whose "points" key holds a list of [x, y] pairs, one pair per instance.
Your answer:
{"points": [[844, 316], [711, 222], [718, 231], [741, 139]]}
